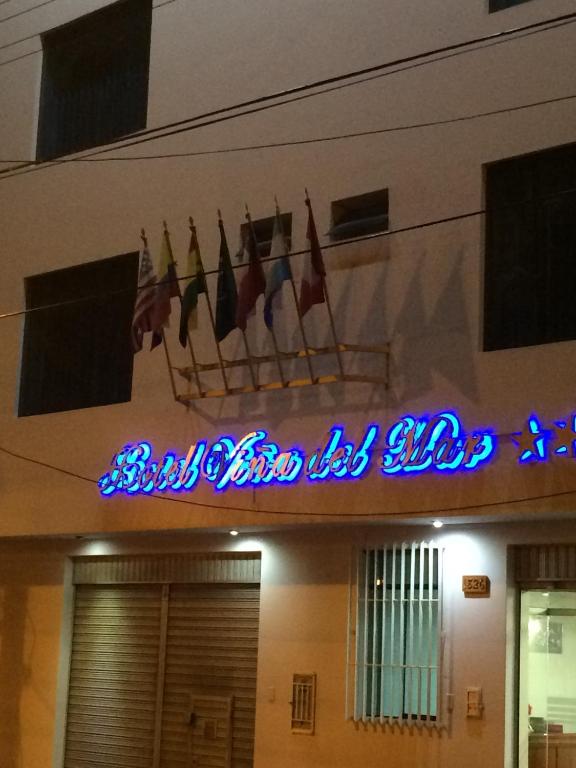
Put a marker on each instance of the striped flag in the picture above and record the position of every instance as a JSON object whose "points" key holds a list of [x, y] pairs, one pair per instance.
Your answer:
{"points": [[143, 309], [196, 285], [279, 272], [312, 287]]}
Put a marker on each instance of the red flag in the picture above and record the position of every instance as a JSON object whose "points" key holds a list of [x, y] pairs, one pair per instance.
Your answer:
{"points": [[253, 282], [312, 286]]}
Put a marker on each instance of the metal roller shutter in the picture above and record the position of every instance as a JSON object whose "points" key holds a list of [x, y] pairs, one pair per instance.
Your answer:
{"points": [[113, 677], [163, 662], [210, 682]]}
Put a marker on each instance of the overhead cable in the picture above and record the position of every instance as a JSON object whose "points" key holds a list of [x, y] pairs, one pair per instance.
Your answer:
{"points": [[300, 513], [208, 272], [301, 92], [313, 140]]}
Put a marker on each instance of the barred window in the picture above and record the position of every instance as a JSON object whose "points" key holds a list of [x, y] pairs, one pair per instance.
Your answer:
{"points": [[530, 268], [398, 624], [95, 79]]}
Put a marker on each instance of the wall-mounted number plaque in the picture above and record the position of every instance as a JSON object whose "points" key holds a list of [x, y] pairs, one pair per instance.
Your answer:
{"points": [[476, 586]]}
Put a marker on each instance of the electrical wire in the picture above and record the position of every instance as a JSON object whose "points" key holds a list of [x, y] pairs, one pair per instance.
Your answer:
{"points": [[317, 139], [11, 44], [291, 254], [299, 513], [25, 11], [208, 272], [182, 126]]}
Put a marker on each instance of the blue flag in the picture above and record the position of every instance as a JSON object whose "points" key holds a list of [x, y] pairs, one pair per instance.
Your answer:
{"points": [[279, 272]]}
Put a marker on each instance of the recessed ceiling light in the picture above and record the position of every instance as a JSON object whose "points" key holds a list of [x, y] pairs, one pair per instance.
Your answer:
{"points": [[233, 533], [437, 523]]}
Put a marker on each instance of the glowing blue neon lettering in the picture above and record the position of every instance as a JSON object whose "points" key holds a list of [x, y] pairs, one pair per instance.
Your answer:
{"points": [[539, 437], [566, 435], [340, 459], [438, 442], [411, 445]]}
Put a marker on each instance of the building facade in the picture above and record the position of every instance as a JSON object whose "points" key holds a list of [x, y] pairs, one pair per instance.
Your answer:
{"points": [[337, 627]]}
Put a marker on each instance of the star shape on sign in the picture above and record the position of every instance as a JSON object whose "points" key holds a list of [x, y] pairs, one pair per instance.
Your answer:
{"points": [[565, 433], [532, 442]]}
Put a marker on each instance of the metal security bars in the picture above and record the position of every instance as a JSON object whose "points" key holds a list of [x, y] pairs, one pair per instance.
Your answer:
{"points": [[303, 703], [398, 633]]}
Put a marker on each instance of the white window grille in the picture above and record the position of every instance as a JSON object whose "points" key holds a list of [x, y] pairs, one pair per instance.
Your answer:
{"points": [[398, 631], [303, 703]]}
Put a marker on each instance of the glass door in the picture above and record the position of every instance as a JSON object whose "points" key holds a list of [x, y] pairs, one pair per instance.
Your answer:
{"points": [[547, 691]]}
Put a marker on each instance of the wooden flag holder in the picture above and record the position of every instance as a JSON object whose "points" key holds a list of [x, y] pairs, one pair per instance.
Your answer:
{"points": [[189, 373], [195, 389]]}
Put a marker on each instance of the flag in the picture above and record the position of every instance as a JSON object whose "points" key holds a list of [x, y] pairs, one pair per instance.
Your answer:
{"points": [[143, 308], [253, 282], [312, 287], [227, 296], [279, 272], [166, 288], [196, 285]]}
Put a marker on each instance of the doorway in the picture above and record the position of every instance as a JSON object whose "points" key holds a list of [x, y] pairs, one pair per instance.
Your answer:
{"points": [[547, 678], [163, 662]]}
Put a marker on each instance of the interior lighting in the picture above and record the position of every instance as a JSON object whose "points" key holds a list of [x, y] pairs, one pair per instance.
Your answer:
{"points": [[233, 533], [437, 523]]}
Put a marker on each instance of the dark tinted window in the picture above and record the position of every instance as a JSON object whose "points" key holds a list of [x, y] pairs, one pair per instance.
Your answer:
{"points": [[359, 215], [77, 351], [95, 79], [499, 5], [264, 230], [530, 250]]}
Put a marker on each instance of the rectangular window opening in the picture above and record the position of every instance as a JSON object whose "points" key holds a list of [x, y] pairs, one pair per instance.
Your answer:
{"points": [[398, 624], [360, 215], [530, 244], [500, 5], [94, 79], [264, 231], [77, 351]]}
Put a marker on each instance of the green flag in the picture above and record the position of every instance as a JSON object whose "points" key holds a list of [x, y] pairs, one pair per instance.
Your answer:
{"points": [[227, 294], [196, 285]]}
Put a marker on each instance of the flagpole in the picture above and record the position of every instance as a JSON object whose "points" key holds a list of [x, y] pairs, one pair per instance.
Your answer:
{"points": [[274, 340], [246, 345], [295, 295], [190, 345], [329, 307], [209, 303], [168, 361]]}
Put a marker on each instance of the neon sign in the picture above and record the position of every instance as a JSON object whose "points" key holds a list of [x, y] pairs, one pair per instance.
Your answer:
{"points": [[437, 443]]}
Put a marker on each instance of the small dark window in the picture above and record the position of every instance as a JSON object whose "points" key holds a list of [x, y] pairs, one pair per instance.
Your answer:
{"points": [[77, 351], [95, 79], [530, 245], [264, 229], [499, 5], [360, 215]]}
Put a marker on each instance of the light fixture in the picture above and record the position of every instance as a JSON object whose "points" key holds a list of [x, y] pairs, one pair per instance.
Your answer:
{"points": [[437, 523], [233, 533]]}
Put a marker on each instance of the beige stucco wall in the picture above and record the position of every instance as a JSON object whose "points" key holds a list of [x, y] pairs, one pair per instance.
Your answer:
{"points": [[303, 628], [420, 291]]}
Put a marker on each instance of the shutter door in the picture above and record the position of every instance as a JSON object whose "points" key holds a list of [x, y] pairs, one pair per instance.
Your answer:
{"points": [[210, 676], [112, 694]]}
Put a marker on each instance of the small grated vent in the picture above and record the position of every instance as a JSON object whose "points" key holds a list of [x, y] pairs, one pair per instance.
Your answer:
{"points": [[303, 703]]}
